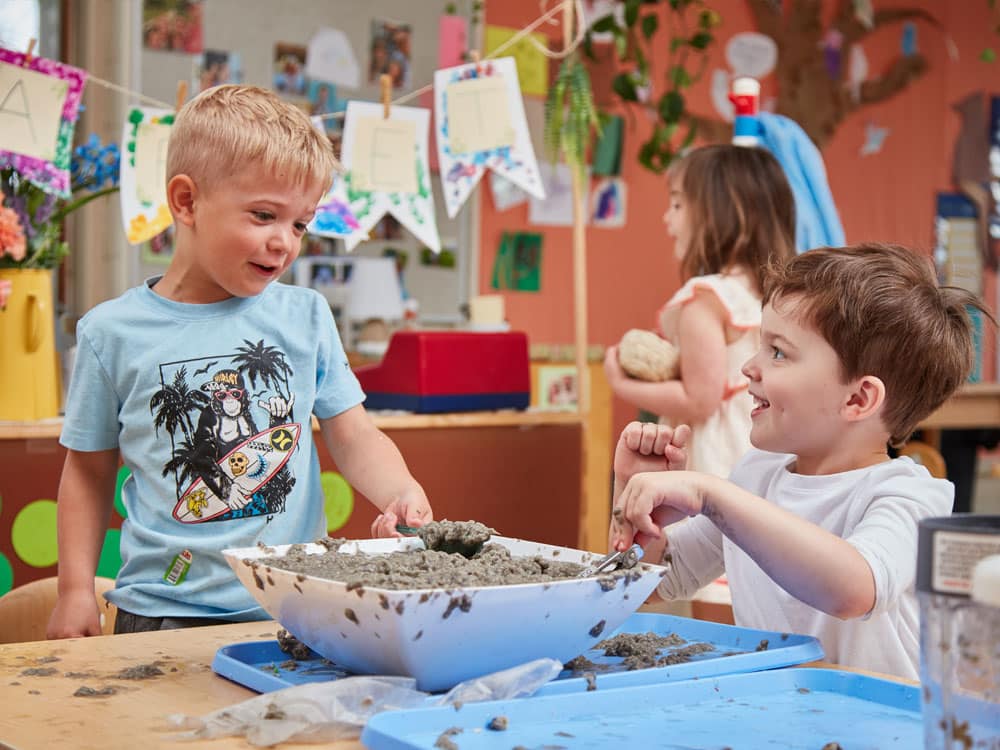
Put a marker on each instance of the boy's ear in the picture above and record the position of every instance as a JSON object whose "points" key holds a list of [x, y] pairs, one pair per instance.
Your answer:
{"points": [[181, 195], [865, 399]]}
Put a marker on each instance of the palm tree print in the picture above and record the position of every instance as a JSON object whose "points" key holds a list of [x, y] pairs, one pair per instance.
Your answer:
{"points": [[172, 406], [264, 362]]}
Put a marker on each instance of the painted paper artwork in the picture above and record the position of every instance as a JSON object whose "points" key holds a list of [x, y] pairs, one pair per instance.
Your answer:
{"points": [[334, 217], [144, 173], [608, 203], [532, 65], [39, 105], [331, 59], [481, 125], [518, 264], [380, 178]]}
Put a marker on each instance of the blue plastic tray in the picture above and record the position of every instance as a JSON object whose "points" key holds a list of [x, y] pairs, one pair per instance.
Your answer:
{"points": [[258, 664], [785, 708]]}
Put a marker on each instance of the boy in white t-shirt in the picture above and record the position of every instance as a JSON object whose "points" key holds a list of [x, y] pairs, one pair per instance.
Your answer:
{"points": [[817, 526]]}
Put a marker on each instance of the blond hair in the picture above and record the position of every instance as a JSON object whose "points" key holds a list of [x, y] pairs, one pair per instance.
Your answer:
{"points": [[881, 309], [228, 128]]}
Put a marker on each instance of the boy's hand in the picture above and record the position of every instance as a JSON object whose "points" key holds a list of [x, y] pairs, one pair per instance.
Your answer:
{"points": [[75, 615], [651, 501], [410, 509], [612, 368], [644, 446]]}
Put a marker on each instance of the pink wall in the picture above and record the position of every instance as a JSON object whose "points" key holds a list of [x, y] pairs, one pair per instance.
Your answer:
{"points": [[888, 196]]}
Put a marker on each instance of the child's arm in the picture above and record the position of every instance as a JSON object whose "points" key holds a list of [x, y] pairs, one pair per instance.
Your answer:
{"points": [[86, 496], [701, 339], [813, 565], [372, 464]]}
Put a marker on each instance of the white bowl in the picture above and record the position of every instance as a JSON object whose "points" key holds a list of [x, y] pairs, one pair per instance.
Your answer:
{"points": [[423, 634]]}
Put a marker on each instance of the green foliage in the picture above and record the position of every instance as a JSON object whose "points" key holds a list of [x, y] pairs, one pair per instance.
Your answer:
{"points": [[690, 30], [570, 114]]}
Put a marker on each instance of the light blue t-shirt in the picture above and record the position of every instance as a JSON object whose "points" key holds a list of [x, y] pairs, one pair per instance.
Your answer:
{"points": [[210, 406]]}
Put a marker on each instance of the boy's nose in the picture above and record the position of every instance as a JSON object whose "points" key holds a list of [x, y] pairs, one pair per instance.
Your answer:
{"points": [[750, 369]]}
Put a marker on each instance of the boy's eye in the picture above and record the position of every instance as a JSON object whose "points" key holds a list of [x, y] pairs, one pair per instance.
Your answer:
{"points": [[776, 353], [300, 226], [263, 215]]}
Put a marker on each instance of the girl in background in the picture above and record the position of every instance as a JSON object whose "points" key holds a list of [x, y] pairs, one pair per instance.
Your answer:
{"points": [[731, 213]]}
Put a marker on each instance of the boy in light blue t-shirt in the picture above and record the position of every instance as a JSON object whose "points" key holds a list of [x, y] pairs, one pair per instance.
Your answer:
{"points": [[204, 382]]}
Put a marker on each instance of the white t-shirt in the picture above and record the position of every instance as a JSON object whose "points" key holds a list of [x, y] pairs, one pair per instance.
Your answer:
{"points": [[875, 509]]}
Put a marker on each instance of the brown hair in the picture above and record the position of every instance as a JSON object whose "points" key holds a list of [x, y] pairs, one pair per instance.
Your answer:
{"points": [[882, 311], [740, 209], [227, 128]]}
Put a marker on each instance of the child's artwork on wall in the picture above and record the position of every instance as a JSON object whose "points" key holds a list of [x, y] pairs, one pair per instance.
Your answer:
{"points": [[518, 264], [39, 104], [172, 25], [556, 209], [143, 183], [875, 136], [385, 163], [608, 203], [331, 58], [956, 250], [480, 125], [215, 67], [506, 194], [532, 65], [289, 69], [390, 53], [334, 217]]}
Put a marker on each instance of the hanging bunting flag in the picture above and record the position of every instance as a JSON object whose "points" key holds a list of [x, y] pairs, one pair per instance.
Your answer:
{"points": [[144, 173], [334, 217], [481, 125], [385, 163], [39, 104]]}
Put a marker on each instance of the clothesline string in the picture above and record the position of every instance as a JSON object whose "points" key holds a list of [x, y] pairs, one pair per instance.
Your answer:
{"points": [[525, 32]]}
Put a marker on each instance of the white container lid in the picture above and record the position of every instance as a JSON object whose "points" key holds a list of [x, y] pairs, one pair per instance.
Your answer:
{"points": [[986, 581]]}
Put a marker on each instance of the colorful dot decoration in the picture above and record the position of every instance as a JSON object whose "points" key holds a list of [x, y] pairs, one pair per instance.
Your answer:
{"points": [[34, 538], [338, 499]]}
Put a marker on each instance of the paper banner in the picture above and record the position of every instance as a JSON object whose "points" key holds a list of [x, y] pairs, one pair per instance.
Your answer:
{"points": [[334, 217], [144, 173], [532, 65], [374, 164], [39, 104], [481, 125]]}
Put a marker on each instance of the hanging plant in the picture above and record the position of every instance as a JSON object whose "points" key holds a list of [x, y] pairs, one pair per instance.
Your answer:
{"points": [[570, 114], [691, 27]]}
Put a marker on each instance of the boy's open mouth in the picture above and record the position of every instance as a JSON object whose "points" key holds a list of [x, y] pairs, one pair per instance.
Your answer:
{"points": [[759, 404], [264, 269]]}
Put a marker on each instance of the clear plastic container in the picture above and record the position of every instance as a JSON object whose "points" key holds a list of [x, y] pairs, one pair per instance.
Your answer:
{"points": [[958, 585]]}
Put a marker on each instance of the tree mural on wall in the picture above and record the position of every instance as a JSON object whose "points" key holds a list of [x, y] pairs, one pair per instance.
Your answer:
{"points": [[816, 84]]}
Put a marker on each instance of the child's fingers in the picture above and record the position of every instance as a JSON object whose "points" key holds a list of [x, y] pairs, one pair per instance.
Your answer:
{"points": [[636, 509], [681, 436], [384, 525], [632, 435]]}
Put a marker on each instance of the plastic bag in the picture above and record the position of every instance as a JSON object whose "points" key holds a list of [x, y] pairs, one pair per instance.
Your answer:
{"points": [[327, 711]]}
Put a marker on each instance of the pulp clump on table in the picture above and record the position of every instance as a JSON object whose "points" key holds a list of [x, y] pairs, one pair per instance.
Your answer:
{"points": [[640, 651], [293, 646]]}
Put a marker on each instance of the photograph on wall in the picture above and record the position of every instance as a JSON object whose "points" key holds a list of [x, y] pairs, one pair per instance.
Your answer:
{"points": [[289, 69], [557, 387], [390, 53], [214, 67], [323, 102], [173, 25]]}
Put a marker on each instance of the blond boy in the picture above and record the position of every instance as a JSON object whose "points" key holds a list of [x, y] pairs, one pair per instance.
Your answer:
{"points": [[817, 526], [204, 381]]}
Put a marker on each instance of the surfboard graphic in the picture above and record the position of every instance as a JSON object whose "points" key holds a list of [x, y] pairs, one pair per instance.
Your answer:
{"points": [[249, 465]]}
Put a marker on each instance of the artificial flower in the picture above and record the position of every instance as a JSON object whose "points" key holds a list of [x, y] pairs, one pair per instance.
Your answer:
{"points": [[12, 242]]}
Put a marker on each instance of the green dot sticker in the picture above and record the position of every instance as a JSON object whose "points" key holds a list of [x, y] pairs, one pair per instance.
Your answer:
{"points": [[123, 474], [6, 574], [111, 557], [338, 499], [33, 534]]}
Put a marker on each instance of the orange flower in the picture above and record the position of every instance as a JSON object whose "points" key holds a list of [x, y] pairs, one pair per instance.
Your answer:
{"points": [[11, 234], [6, 287]]}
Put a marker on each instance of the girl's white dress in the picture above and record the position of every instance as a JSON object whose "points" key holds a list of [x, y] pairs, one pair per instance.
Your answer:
{"points": [[722, 439]]}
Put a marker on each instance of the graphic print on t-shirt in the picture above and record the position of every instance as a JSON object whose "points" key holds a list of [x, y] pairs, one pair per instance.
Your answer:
{"points": [[225, 466]]}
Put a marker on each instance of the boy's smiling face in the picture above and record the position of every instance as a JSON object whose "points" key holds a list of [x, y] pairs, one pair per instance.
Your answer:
{"points": [[795, 381], [246, 230]]}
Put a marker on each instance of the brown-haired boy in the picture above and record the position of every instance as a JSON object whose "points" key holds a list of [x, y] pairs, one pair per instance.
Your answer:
{"points": [[816, 528], [205, 381]]}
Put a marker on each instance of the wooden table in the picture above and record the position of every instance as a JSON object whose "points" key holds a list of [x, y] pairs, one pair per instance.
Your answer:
{"points": [[973, 405], [41, 713]]}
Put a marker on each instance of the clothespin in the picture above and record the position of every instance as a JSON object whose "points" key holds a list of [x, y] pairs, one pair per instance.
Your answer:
{"points": [[28, 54], [182, 92], [386, 81]]}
